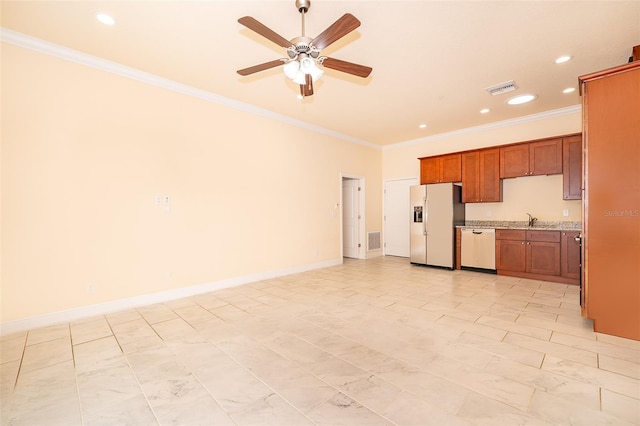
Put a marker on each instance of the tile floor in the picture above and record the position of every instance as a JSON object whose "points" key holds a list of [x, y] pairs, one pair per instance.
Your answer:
{"points": [[364, 343]]}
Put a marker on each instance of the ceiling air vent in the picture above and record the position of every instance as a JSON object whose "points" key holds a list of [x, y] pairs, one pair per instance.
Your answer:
{"points": [[501, 88]]}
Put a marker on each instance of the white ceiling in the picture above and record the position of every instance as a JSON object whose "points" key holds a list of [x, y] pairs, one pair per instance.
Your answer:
{"points": [[431, 60]]}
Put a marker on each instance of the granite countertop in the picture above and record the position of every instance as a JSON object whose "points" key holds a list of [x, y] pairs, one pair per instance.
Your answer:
{"points": [[506, 224]]}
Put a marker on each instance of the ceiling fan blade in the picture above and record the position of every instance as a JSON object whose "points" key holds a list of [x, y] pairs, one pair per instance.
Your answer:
{"points": [[348, 67], [260, 67], [337, 30], [307, 88], [265, 32]]}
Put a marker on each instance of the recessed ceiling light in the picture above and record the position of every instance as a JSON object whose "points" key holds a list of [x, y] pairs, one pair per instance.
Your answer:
{"points": [[423, 126], [105, 19], [569, 90], [484, 110], [521, 99], [563, 59]]}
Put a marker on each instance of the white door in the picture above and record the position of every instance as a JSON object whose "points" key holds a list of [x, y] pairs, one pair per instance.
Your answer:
{"points": [[397, 216], [350, 218]]}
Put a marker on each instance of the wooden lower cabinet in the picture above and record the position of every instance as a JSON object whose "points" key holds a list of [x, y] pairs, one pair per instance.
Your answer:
{"points": [[530, 254], [570, 254], [511, 252]]}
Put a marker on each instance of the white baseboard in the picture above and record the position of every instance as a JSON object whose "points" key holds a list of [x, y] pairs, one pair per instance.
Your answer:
{"points": [[149, 299]]}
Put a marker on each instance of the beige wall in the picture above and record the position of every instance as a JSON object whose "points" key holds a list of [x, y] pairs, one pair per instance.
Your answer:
{"points": [[539, 195], [85, 153]]}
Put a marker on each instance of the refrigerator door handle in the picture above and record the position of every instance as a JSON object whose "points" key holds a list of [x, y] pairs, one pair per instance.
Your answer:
{"points": [[426, 216]]}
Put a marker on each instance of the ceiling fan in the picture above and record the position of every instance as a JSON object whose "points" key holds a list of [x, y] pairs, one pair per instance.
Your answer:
{"points": [[303, 52]]}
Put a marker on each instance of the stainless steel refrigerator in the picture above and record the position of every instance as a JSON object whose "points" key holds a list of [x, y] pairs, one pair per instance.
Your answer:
{"points": [[436, 210]]}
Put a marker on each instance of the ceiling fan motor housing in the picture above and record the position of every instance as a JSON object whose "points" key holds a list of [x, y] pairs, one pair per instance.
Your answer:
{"points": [[303, 5]]}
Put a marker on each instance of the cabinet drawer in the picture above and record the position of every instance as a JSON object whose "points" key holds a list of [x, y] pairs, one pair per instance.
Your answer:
{"points": [[510, 234], [550, 236]]}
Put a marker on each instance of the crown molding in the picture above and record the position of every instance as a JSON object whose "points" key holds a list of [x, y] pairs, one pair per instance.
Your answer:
{"points": [[42, 46], [47, 48], [496, 125]]}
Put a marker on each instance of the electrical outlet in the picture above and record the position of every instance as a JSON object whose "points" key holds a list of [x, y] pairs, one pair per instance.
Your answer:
{"points": [[565, 213], [91, 288]]}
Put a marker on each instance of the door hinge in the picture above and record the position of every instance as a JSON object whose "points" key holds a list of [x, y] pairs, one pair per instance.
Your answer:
{"points": [[359, 188], [359, 245]]}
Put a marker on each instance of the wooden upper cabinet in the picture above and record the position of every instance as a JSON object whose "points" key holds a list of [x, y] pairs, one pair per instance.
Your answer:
{"points": [[490, 183], [572, 167], [428, 170], [470, 177], [481, 176], [545, 157], [531, 158], [514, 161], [443, 168]]}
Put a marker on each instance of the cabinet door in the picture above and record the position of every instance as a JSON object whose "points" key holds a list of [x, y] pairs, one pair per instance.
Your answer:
{"points": [[490, 185], [514, 161], [450, 168], [545, 157], [470, 183], [570, 254], [572, 168], [543, 258], [511, 255], [428, 170]]}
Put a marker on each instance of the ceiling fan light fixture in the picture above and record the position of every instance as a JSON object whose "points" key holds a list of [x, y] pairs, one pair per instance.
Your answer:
{"points": [[299, 78], [304, 63], [291, 69], [308, 66]]}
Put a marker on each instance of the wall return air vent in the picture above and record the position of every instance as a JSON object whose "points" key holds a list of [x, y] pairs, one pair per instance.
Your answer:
{"points": [[501, 88], [373, 240]]}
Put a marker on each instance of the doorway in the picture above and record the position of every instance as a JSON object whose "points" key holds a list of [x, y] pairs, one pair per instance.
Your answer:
{"points": [[352, 217]]}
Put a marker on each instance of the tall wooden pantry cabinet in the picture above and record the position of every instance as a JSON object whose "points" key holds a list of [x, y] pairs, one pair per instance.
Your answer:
{"points": [[611, 200]]}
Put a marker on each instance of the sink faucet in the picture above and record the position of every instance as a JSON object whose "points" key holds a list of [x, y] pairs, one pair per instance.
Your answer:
{"points": [[532, 220]]}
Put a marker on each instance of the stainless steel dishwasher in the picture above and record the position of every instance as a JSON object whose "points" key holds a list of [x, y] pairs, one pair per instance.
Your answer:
{"points": [[478, 248]]}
